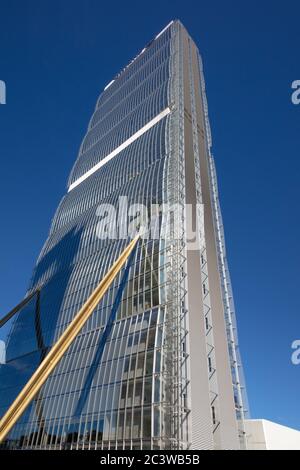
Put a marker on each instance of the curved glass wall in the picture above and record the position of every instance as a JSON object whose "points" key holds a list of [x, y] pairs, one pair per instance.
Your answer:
{"points": [[118, 407]]}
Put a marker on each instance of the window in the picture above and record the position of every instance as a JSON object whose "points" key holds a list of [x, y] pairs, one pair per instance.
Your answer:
{"points": [[138, 393], [148, 391], [136, 428], [126, 368], [146, 425], [123, 394], [140, 364], [156, 390], [132, 366], [113, 426], [148, 299], [155, 297], [129, 395], [121, 425], [128, 424], [149, 363], [142, 345], [151, 339], [158, 360], [156, 422]]}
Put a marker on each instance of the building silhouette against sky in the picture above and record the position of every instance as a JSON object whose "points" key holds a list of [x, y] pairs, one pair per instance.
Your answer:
{"points": [[167, 374]]}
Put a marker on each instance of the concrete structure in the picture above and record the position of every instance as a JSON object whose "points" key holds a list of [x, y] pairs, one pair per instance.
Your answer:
{"points": [[262, 434], [169, 375]]}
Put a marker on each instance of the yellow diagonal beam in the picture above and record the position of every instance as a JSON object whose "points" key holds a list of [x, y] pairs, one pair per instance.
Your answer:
{"points": [[60, 347]]}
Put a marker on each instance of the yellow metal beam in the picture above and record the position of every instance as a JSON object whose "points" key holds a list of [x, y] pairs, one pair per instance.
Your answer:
{"points": [[60, 347]]}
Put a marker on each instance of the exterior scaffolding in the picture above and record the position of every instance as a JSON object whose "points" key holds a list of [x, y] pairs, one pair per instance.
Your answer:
{"points": [[173, 230]]}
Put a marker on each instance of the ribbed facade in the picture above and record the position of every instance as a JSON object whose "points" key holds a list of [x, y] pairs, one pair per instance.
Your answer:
{"points": [[169, 373]]}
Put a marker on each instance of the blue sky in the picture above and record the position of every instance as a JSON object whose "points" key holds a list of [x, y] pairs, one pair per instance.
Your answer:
{"points": [[56, 57]]}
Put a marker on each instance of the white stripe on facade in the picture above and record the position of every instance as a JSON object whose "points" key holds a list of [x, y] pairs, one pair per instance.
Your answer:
{"points": [[163, 30], [121, 147], [108, 85]]}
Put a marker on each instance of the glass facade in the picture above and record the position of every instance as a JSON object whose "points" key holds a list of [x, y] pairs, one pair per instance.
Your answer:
{"points": [[125, 395]]}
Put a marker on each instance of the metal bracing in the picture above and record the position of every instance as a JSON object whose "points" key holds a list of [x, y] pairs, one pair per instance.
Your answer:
{"points": [[57, 351], [16, 309], [206, 302]]}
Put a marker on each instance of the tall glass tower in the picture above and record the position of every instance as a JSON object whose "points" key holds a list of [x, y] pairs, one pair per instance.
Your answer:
{"points": [[168, 375]]}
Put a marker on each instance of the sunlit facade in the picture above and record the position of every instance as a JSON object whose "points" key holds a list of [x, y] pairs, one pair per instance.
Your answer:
{"points": [[169, 375]]}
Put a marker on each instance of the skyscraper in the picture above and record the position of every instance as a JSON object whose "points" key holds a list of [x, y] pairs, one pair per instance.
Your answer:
{"points": [[167, 374]]}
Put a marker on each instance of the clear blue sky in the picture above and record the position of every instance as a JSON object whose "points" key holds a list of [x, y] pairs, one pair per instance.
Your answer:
{"points": [[56, 56]]}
